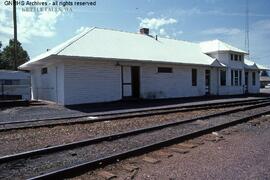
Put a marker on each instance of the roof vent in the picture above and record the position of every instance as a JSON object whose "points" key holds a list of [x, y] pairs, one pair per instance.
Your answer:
{"points": [[144, 31]]}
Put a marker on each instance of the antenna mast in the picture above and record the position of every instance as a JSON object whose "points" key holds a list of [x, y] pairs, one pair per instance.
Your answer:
{"points": [[247, 28]]}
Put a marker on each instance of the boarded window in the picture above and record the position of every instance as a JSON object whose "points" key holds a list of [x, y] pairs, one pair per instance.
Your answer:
{"points": [[44, 70], [194, 77], [164, 70], [253, 78], [222, 77]]}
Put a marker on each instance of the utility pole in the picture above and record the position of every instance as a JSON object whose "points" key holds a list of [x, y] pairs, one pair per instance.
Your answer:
{"points": [[247, 28], [15, 35]]}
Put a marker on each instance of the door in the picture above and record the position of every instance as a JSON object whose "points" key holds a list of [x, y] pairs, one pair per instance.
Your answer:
{"points": [[130, 82], [135, 81], [246, 82], [207, 82]]}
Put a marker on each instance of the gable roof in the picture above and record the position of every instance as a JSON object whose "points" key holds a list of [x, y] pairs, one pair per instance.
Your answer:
{"points": [[252, 65], [217, 45], [119, 45]]}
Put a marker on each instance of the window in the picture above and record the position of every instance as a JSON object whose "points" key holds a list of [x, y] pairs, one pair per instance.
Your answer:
{"points": [[236, 78], [231, 56], [222, 77], [44, 70], [236, 57], [164, 70], [232, 77], [253, 78], [240, 77], [194, 77]]}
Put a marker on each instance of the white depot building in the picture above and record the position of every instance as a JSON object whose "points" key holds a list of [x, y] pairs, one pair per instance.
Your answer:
{"points": [[101, 65]]}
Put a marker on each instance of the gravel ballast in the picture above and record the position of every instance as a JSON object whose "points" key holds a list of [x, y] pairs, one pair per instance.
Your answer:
{"points": [[16, 141], [33, 167], [242, 154]]}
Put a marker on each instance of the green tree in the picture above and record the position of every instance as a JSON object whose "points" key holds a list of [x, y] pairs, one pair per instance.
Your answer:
{"points": [[7, 56]]}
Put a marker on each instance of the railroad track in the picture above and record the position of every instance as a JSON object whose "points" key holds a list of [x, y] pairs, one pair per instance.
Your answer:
{"points": [[99, 117], [74, 158]]}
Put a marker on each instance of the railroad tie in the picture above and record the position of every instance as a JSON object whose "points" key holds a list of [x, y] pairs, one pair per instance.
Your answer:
{"points": [[150, 160], [106, 175]]}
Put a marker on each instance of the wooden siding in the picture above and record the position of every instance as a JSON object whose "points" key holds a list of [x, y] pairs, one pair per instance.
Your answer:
{"points": [[89, 82]]}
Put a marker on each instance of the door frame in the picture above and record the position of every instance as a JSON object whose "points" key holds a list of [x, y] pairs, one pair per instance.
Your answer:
{"points": [[135, 81], [132, 83]]}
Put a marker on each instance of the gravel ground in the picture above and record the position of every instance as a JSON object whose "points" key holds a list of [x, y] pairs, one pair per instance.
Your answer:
{"points": [[23, 140], [16, 141], [243, 154], [54, 111], [54, 161]]}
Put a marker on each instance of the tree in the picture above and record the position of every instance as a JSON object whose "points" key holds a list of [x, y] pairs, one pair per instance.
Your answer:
{"points": [[7, 55]]}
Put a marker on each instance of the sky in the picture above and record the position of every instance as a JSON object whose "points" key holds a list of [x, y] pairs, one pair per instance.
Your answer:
{"points": [[190, 20]]}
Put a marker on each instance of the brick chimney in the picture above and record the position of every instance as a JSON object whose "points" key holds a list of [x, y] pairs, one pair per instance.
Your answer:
{"points": [[144, 31]]}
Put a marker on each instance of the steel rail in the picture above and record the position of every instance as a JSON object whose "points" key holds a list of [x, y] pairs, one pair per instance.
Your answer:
{"points": [[118, 116], [86, 142], [91, 165]]}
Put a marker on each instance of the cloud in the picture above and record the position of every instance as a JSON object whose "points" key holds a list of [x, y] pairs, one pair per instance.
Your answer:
{"points": [[156, 23], [158, 26], [212, 12], [29, 24], [262, 25], [151, 13], [222, 31], [81, 29]]}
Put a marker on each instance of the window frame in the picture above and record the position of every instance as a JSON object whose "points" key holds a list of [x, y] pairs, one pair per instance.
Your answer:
{"points": [[236, 78], [240, 77]]}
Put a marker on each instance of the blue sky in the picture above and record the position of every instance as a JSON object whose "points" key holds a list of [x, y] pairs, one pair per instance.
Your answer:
{"points": [[191, 20]]}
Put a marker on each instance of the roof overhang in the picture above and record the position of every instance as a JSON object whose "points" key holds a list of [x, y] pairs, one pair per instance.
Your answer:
{"points": [[226, 51], [52, 59]]}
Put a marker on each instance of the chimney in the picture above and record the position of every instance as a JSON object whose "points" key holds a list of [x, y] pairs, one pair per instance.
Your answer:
{"points": [[144, 31]]}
